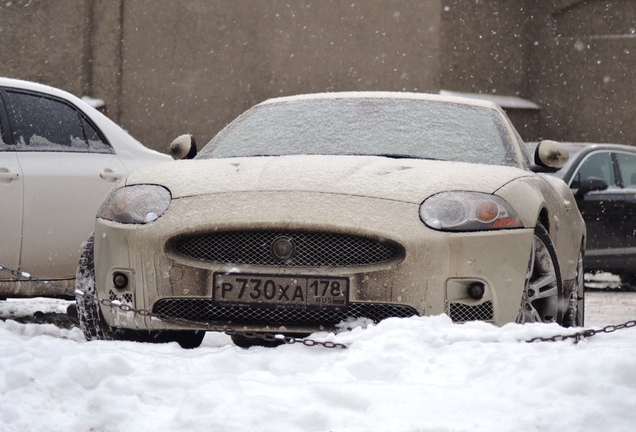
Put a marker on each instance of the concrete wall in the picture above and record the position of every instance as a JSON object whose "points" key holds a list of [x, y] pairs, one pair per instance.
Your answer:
{"points": [[575, 58], [166, 67], [46, 41], [194, 66], [485, 48], [583, 70]]}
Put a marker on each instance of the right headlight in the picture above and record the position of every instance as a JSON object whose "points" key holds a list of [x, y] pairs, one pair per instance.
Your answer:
{"points": [[468, 211], [138, 204]]}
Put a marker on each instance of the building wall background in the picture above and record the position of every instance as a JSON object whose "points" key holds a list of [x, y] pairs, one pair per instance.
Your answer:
{"points": [[165, 68]]}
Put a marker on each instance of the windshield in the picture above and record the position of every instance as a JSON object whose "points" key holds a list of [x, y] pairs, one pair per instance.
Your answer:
{"points": [[404, 128]]}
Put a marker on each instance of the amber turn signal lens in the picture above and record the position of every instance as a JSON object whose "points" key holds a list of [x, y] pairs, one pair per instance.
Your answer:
{"points": [[486, 211]]}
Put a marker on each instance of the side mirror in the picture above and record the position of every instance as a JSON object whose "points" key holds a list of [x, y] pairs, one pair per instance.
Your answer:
{"points": [[183, 147], [551, 155], [591, 184]]}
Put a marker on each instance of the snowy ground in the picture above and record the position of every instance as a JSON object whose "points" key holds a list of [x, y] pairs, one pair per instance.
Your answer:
{"points": [[418, 374]]}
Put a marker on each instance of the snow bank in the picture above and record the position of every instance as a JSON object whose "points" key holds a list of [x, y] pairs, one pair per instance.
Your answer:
{"points": [[417, 374]]}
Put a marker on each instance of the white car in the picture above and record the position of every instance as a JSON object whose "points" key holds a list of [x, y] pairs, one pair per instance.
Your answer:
{"points": [[59, 157], [311, 210]]}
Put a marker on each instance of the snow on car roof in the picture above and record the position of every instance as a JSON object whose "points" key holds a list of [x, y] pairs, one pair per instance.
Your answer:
{"points": [[382, 95]]}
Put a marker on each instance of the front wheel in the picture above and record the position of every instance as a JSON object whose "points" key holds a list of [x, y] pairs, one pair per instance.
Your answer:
{"points": [[543, 290], [92, 322], [89, 316]]}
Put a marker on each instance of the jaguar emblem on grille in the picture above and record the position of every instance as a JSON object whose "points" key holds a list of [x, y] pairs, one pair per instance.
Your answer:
{"points": [[283, 248]]}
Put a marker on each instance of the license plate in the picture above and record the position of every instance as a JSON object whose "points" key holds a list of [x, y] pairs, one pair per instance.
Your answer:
{"points": [[293, 292]]}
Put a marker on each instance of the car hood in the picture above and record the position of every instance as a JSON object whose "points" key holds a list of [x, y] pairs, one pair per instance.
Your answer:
{"points": [[408, 180]]}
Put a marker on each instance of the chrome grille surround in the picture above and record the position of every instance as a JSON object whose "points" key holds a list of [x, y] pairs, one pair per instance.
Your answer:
{"points": [[209, 311], [312, 249]]}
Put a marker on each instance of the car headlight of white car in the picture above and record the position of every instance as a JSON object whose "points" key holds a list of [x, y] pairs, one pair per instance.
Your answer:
{"points": [[138, 204], [468, 211]]}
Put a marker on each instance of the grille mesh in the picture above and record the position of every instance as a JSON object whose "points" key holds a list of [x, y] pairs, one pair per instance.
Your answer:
{"points": [[313, 249], [207, 310], [126, 298], [460, 312]]}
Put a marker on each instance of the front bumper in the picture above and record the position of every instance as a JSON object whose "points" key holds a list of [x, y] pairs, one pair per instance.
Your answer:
{"points": [[429, 275]]}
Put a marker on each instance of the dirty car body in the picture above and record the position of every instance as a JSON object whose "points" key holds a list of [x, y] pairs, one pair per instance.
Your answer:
{"points": [[309, 211]]}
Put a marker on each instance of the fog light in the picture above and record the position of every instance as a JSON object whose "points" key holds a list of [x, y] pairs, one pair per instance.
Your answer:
{"points": [[476, 290], [120, 280]]}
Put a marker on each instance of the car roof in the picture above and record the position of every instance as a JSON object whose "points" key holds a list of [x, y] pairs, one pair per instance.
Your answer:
{"points": [[580, 146], [384, 95], [33, 86], [577, 147]]}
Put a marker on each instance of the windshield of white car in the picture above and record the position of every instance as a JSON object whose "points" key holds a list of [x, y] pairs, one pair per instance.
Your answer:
{"points": [[406, 128]]}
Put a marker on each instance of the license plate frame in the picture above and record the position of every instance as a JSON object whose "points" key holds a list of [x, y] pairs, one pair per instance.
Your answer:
{"points": [[280, 291]]}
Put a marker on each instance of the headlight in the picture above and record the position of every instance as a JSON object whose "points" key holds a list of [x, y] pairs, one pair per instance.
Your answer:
{"points": [[137, 204], [468, 211]]}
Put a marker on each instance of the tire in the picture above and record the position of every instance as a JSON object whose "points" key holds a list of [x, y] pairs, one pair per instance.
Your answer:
{"points": [[247, 342], [92, 322], [575, 313], [89, 316], [628, 282], [542, 297]]}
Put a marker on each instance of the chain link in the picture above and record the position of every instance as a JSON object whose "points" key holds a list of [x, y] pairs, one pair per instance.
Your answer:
{"points": [[585, 333], [270, 337], [267, 337]]}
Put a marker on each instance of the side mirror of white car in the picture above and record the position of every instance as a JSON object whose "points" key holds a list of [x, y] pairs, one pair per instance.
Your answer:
{"points": [[551, 155], [183, 147]]}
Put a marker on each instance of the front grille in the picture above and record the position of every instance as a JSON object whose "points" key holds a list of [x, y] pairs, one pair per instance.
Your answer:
{"points": [[460, 312], [207, 310], [312, 249]]}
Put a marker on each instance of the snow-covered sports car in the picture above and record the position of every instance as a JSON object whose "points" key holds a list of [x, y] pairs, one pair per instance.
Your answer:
{"points": [[309, 211]]}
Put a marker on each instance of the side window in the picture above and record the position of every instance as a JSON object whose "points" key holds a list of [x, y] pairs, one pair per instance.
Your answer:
{"points": [[3, 146], [627, 165], [42, 124], [3, 131], [596, 165]]}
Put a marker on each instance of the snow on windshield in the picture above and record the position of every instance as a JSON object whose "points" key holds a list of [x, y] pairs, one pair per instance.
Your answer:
{"points": [[367, 126]]}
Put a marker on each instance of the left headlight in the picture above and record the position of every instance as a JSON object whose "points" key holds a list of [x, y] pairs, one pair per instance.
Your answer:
{"points": [[138, 204], [468, 211]]}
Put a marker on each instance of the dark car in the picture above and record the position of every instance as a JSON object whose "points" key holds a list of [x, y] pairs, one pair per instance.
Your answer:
{"points": [[603, 180]]}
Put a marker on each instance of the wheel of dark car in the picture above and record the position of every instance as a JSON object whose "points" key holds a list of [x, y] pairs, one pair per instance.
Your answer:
{"points": [[574, 298], [543, 291], [578, 294], [92, 322]]}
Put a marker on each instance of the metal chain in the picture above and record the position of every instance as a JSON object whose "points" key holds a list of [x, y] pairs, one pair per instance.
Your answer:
{"points": [[584, 333], [268, 337], [271, 337]]}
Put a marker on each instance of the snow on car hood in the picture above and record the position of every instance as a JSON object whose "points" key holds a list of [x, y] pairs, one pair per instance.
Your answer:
{"points": [[408, 180]]}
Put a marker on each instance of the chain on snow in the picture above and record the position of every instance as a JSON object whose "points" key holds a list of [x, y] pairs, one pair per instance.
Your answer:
{"points": [[586, 333], [179, 321]]}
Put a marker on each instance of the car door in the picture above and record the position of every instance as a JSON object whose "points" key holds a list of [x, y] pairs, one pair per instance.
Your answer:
{"points": [[603, 212], [67, 167], [626, 163], [10, 201]]}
